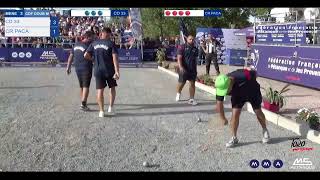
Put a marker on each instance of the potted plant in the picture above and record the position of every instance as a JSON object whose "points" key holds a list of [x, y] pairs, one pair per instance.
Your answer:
{"points": [[200, 79], [311, 117], [273, 99], [206, 79], [161, 56], [53, 62]]}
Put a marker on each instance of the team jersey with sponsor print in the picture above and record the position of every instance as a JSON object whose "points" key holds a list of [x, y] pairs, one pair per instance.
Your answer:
{"points": [[101, 51], [189, 58], [78, 56]]}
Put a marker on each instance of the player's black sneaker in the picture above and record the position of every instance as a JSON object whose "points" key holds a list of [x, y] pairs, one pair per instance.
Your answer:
{"points": [[84, 108]]}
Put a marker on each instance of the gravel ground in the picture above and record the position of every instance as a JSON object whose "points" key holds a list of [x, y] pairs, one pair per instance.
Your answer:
{"points": [[42, 128]]}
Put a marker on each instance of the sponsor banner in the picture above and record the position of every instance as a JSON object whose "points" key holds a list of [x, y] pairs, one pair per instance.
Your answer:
{"points": [[3, 54], [129, 55], [298, 65], [281, 33], [33, 54], [149, 54], [171, 53], [45, 54]]}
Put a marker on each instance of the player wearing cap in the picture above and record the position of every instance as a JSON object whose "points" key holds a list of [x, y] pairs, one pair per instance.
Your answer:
{"points": [[83, 68], [106, 68], [187, 60], [243, 87]]}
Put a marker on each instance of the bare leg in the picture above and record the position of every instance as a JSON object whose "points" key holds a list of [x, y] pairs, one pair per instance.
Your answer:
{"points": [[112, 96], [100, 99], [235, 121], [85, 94], [220, 110], [261, 118], [180, 87], [192, 89], [81, 94]]}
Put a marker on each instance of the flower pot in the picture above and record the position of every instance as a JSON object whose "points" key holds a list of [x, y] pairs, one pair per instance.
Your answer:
{"points": [[271, 107], [314, 126]]}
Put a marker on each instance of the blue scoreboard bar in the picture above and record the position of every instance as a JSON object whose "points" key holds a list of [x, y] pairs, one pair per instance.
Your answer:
{"points": [[119, 13], [212, 13]]}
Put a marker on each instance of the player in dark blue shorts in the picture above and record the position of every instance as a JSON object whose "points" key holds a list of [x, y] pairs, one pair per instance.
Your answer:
{"points": [[243, 87], [104, 54], [83, 67], [187, 60]]}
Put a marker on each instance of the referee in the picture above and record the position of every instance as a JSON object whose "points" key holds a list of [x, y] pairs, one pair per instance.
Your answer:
{"points": [[83, 68], [106, 68]]}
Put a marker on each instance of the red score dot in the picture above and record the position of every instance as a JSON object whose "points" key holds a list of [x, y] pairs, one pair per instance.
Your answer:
{"points": [[187, 13], [174, 13], [180, 13], [168, 13]]}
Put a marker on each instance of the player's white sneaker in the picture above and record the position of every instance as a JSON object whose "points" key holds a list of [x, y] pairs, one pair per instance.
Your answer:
{"points": [[101, 114], [192, 102], [178, 97], [111, 111], [266, 136], [233, 142]]}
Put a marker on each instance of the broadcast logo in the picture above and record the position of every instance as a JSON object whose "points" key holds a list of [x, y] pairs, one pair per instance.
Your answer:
{"points": [[266, 163], [28, 54], [302, 163], [21, 54], [48, 55], [14, 54], [299, 145]]}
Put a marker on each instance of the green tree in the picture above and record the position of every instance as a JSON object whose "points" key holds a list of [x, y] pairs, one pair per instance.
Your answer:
{"points": [[156, 24]]}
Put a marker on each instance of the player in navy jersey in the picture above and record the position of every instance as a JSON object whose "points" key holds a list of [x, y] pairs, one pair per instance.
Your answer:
{"points": [[187, 60], [83, 67], [104, 54]]}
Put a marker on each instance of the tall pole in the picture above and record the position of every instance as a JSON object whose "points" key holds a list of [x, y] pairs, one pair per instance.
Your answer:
{"points": [[296, 27], [314, 30]]}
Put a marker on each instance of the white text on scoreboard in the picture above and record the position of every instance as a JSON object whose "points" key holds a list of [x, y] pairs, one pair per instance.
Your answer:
{"points": [[29, 23]]}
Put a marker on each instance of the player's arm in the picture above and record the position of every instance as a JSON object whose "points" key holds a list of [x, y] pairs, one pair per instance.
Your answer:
{"points": [[180, 58], [70, 60], [88, 53], [220, 100], [115, 61], [205, 50]]}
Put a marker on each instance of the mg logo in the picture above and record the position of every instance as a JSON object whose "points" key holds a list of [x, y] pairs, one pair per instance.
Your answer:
{"points": [[48, 55], [14, 54], [128, 53], [302, 163], [254, 163]]}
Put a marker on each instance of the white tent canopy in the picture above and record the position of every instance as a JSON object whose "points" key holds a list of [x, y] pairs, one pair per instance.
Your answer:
{"points": [[279, 14]]}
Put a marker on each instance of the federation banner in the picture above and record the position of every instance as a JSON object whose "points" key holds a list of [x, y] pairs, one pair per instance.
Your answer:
{"points": [[298, 65]]}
